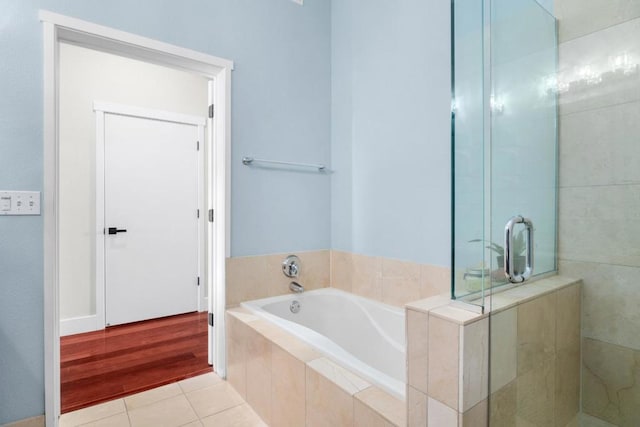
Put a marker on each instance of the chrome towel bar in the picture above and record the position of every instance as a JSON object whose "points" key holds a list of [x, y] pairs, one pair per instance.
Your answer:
{"points": [[250, 160]]}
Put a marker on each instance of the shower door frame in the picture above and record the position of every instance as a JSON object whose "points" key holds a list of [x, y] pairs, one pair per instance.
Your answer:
{"points": [[59, 28]]}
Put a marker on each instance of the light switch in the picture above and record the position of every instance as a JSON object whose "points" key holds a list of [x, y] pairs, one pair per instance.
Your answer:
{"points": [[19, 203]]}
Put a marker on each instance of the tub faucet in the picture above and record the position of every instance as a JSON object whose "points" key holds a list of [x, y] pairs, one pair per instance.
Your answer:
{"points": [[296, 287]]}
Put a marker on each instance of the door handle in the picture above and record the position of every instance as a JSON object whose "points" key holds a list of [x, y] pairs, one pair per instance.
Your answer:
{"points": [[114, 230], [509, 258]]}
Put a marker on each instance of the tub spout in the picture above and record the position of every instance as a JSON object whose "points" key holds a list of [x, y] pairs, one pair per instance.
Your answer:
{"points": [[296, 287]]}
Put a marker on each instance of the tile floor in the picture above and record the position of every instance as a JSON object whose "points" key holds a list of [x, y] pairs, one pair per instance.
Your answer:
{"points": [[205, 400]]}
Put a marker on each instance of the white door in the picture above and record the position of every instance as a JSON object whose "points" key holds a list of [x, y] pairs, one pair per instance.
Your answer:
{"points": [[151, 191]]}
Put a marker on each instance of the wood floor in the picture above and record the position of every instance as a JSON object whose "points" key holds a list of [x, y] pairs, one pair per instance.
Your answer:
{"points": [[123, 360]]}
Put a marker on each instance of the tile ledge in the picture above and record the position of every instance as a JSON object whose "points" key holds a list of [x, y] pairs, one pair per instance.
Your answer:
{"points": [[428, 304]]}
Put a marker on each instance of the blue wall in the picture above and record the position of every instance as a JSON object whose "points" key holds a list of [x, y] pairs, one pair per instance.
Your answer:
{"points": [[281, 109], [391, 129]]}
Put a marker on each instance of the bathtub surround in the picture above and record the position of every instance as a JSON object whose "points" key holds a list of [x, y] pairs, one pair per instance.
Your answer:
{"points": [[256, 277], [599, 184], [387, 280], [534, 377], [288, 383]]}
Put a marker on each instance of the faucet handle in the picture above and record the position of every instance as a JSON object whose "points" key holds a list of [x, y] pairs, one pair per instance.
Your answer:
{"points": [[291, 266]]}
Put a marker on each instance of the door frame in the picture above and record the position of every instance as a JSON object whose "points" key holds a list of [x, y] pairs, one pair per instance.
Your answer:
{"points": [[59, 28], [101, 109]]}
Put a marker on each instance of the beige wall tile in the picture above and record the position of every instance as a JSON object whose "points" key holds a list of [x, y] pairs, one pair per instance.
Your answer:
{"points": [[434, 280], [175, 411], [611, 382], [316, 269], [441, 415], [504, 348], [237, 333], [287, 389], [503, 405], [610, 302], [443, 372], [367, 276], [259, 375], [392, 410], [245, 279], [341, 270], [578, 18], [400, 281], [417, 349], [478, 416], [327, 404], [273, 277], [536, 395], [536, 333], [475, 364], [567, 387], [588, 421], [416, 408]]}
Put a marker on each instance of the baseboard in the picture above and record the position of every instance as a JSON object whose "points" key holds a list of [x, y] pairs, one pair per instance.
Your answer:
{"points": [[78, 325], [27, 422]]}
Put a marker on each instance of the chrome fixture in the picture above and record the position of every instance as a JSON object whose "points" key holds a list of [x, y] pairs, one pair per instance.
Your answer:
{"points": [[296, 287], [250, 160], [291, 266], [509, 256], [294, 307]]}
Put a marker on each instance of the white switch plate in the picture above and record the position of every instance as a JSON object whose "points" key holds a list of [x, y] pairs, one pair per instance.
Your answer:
{"points": [[19, 203]]}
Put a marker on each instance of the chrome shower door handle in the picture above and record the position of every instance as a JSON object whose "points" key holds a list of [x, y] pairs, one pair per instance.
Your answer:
{"points": [[509, 256]]}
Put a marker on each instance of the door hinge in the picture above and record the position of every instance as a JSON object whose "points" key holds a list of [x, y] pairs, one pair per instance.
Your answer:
{"points": [[211, 112], [198, 280], [198, 145], [210, 319], [197, 213], [210, 215]]}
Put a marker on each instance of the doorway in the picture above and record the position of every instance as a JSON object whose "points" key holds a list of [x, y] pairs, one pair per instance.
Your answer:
{"points": [[60, 29]]}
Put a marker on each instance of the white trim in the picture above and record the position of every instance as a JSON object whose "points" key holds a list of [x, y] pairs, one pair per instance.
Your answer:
{"points": [[148, 113], [58, 28], [79, 325], [100, 278]]}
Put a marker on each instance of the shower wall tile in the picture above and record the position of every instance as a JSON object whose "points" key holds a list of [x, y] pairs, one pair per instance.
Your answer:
{"points": [[587, 156], [366, 276], [504, 406], [476, 416], [504, 348], [596, 223], [536, 396], [579, 17], [255, 277], [595, 53], [611, 382], [611, 300]]}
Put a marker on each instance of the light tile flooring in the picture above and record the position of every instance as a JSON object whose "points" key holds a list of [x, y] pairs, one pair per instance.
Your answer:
{"points": [[202, 401]]}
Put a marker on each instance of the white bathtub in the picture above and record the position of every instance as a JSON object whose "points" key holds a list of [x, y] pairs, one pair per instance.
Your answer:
{"points": [[364, 336]]}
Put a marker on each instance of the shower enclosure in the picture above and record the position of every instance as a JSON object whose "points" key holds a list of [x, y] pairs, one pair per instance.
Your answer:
{"points": [[545, 128], [504, 132]]}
